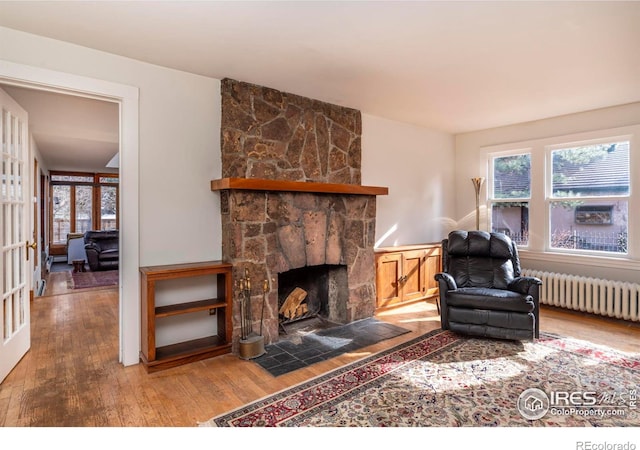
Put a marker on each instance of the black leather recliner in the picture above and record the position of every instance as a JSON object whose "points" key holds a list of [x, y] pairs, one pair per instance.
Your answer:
{"points": [[103, 249], [482, 292]]}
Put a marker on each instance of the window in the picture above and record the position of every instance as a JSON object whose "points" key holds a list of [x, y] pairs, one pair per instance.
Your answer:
{"points": [[108, 207], [61, 213], [81, 202], [510, 195], [565, 196], [589, 197], [84, 208]]}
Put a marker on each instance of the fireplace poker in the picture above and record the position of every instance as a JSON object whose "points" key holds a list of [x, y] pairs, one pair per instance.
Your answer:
{"points": [[265, 289], [245, 310], [242, 325], [247, 294]]}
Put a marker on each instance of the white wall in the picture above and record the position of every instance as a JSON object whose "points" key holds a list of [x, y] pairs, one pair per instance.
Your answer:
{"points": [[179, 143], [470, 162], [178, 153], [417, 165]]}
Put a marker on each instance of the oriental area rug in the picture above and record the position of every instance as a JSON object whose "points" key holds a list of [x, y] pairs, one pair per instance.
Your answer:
{"points": [[444, 380], [84, 280]]}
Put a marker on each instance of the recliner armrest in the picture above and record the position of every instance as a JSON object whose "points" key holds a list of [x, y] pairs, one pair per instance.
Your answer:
{"points": [[93, 246], [523, 284], [444, 277]]}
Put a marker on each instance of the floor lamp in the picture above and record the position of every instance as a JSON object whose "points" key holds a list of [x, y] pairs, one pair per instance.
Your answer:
{"points": [[477, 183]]}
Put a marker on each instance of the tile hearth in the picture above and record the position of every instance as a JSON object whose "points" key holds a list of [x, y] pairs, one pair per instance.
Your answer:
{"points": [[319, 340]]}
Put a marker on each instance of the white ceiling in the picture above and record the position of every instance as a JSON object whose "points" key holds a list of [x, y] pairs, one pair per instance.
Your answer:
{"points": [[72, 133], [452, 66]]}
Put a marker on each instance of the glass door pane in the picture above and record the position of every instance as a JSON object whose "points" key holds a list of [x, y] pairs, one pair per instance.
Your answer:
{"points": [[84, 202], [108, 208], [61, 213]]}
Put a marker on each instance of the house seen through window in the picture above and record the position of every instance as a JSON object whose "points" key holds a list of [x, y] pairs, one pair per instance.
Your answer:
{"points": [[510, 196], [587, 196], [588, 201]]}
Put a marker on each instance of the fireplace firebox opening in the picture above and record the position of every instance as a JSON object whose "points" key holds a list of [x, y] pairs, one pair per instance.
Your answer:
{"points": [[313, 291]]}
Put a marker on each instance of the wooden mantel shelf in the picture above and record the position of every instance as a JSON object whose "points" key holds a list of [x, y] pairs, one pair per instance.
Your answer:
{"points": [[259, 184]]}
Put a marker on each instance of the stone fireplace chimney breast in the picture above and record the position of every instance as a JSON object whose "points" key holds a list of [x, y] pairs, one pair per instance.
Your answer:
{"points": [[291, 198]]}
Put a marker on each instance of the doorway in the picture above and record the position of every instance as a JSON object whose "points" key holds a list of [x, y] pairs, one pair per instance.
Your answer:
{"points": [[126, 97]]}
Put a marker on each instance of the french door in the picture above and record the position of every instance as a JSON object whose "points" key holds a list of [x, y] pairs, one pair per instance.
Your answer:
{"points": [[15, 335]]}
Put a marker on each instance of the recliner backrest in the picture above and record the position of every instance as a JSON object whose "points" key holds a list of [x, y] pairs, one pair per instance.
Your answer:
{"points": [[105, 240], [480, 259]]}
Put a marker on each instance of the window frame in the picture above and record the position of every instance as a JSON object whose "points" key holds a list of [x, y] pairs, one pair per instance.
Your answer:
{"points": [[57, 248], [539, 212], [611, 198], [492, 200]]}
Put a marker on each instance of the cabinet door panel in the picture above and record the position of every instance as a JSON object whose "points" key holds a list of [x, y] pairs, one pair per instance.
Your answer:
{"points": [[432, 266], [413, 274], [405, 275], [388, 273]]}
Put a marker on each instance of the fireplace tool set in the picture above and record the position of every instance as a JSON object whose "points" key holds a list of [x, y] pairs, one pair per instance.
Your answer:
{"points": [[251, 343]]}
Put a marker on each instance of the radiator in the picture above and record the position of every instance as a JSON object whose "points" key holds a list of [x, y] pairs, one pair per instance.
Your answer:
{"points": [[609, 298]]}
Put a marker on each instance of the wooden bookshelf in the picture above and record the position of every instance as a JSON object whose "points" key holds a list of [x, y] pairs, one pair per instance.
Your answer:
{"points": [[157, 358]]}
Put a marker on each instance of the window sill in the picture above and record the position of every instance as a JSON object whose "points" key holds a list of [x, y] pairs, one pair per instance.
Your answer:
{"points": [[585, 260]]}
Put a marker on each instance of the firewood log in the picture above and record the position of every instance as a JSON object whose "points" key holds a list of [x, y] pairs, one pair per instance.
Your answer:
{"points": [[291, 303]]}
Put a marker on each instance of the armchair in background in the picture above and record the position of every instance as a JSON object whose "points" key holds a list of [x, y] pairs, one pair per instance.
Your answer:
{"points": [[75, 248], [102, 249], [482, 292]]}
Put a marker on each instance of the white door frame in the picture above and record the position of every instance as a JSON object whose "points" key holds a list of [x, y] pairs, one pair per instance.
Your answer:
{"points": [[127, 97]]}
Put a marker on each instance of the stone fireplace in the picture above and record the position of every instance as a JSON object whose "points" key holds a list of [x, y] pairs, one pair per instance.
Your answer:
{"points": [[291, 201]]}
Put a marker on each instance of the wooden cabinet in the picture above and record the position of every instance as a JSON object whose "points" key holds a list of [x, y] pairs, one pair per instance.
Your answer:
{"points": [[406, 274], [158, 358]]}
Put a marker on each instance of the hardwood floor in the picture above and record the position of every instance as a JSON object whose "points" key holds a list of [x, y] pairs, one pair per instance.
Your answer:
{"points": [[71, 377]]}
